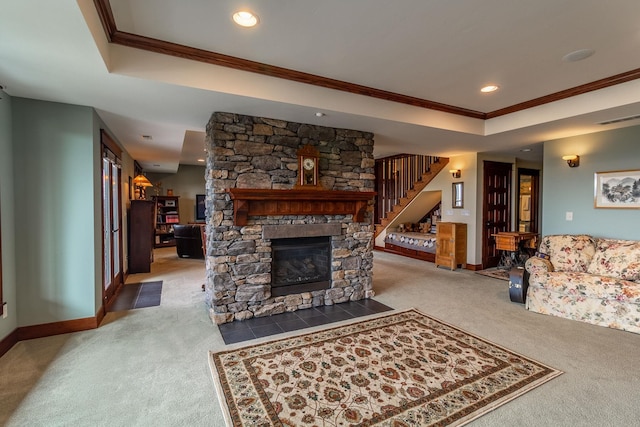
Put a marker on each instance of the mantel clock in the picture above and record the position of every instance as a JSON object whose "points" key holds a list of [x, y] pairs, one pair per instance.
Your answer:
{"points": [[308, 167]]}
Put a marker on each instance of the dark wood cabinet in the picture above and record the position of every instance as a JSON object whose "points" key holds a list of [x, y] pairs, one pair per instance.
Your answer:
{"points": [[141, 235]]}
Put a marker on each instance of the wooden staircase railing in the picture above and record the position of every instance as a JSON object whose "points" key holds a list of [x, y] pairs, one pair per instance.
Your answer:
{"points": [[398, 180]]}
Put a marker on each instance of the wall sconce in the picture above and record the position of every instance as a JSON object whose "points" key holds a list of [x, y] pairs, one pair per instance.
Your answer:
{"points": [[455, 173], [572, 160]]}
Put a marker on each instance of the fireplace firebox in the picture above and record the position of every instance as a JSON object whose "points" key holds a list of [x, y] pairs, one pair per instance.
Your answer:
{"points": [[300, 265]]}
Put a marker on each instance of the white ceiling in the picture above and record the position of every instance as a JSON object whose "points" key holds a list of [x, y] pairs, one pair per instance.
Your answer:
{"points": [[436, 50]]}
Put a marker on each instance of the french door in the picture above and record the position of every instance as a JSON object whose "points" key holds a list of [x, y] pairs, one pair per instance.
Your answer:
{"points": [[111, 219]]}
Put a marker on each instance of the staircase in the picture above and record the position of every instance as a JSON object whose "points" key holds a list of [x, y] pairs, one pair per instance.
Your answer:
{"points": [[399, 179]]}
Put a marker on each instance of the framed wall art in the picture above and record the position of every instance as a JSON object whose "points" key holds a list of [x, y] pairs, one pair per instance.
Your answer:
{"points": [[617, 189]]}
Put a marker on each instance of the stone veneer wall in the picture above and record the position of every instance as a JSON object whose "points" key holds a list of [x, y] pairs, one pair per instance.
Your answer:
{"points": [[255, 152]]}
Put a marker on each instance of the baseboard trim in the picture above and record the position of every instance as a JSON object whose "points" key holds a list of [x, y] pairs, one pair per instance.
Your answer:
{"points": [[50, 329], [100, 314], [474, 267], [8, 342], [56, 328]]}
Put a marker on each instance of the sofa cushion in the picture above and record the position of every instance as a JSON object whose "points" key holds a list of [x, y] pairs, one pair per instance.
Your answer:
{"points": [[576, 284], [616, 258], [569, 252]]}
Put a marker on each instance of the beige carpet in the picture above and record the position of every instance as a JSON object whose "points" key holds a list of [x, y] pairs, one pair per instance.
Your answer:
{"points": [[400, 369], [149, 367]]}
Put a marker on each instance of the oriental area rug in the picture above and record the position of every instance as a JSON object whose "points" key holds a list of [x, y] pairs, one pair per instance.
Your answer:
{"points": [[399, 369]]}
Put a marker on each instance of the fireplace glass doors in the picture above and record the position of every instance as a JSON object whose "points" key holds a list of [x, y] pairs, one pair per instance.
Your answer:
{"points": [[300, 265]]}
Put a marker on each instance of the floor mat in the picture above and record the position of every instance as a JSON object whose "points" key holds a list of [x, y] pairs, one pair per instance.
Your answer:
{"points": [[495, 273], [138, 295]]}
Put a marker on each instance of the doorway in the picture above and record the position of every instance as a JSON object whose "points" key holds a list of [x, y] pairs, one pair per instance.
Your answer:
{"points": [[496, 208], [528, 200], [111, 219]]}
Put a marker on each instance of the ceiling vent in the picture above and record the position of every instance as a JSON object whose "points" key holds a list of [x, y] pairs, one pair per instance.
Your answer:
{"points": [[621, 119]]}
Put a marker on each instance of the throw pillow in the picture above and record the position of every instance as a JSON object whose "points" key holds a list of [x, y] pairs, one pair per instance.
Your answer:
{"points": [[616, 258], [569, 252]]}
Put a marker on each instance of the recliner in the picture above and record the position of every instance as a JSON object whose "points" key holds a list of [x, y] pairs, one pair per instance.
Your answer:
{"points": [[188, 240]]}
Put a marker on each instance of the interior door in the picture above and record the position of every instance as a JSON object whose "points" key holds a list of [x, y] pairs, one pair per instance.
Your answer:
{"points": [[496, 207], [111, 221], [528, 200]]}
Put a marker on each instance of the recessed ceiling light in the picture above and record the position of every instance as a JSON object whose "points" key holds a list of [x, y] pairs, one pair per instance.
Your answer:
{"points": [[489, 88], [526, 150], [245, 18], [201, 160], [319, 114], [578, 55]]}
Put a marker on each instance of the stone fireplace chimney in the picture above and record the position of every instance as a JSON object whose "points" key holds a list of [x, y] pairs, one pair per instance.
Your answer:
{"points": [[253, 153]]}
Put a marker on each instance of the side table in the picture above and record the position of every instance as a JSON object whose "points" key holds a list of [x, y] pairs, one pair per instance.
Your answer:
{"points": [[514, 246]]}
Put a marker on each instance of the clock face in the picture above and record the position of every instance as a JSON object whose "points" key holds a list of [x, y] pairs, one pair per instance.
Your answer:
{"points": [[308, 164]]}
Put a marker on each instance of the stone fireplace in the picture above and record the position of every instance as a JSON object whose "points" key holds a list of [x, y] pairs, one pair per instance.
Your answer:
{"points": [[258, 221]]}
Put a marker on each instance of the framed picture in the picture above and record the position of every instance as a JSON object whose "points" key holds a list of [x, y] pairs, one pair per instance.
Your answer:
{"points": [[200, 207], [617, 189]]}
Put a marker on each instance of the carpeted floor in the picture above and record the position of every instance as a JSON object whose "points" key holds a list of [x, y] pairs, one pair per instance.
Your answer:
{"points": [[403, 368], [150, 367]]}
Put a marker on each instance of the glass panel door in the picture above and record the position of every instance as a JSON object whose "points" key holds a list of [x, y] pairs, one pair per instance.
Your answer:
{"points": [[115, 215], [106, 223], [111, 220]]}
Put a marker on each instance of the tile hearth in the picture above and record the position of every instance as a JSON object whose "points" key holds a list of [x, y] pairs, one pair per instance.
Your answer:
{"points": [[258, 327]]}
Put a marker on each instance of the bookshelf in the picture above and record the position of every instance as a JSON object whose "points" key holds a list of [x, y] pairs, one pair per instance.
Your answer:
{"points": [[167, 214]]}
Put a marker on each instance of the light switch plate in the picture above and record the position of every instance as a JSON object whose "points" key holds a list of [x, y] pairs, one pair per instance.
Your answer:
{"points": [[568, 216]]}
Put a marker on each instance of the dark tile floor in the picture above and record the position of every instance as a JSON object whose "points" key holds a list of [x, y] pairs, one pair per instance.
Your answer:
{"points": [[138, 295], [258, 327]]}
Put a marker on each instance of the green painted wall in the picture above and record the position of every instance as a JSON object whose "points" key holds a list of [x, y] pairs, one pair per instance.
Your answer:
{"points": [[186, 183], [566, 189], [56, 194], [7, 221]]}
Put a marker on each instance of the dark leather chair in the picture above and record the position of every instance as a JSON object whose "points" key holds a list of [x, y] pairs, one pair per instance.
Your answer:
{"points": [[188, 240]]}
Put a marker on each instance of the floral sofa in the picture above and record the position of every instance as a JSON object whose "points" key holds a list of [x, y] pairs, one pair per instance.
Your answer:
{"points": [[594, 280]]}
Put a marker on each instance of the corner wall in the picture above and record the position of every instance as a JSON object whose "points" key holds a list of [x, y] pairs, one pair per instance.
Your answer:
{"points": [[7, 221], [568, 189], [55, 204]]}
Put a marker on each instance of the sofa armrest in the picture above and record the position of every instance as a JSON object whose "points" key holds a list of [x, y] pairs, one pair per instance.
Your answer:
{"points": [[536, 264]]}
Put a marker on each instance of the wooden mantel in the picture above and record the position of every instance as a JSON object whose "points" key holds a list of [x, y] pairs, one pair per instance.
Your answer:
{"points": [[256, 202]]}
